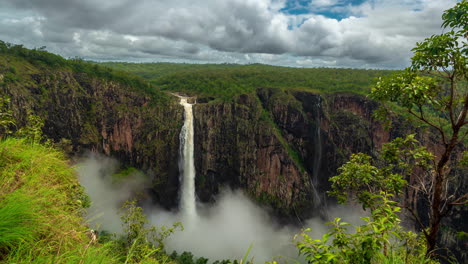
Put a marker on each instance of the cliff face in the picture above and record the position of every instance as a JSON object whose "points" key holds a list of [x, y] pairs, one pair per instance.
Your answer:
{"points": [[236, 145], [107, 117], [281, 147]]}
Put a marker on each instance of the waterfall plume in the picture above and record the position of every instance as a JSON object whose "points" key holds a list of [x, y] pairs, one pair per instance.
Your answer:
{"points": [[186, 163]]}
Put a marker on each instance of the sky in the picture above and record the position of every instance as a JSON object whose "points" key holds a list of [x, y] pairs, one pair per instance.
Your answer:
{"points": [[297, 33]]}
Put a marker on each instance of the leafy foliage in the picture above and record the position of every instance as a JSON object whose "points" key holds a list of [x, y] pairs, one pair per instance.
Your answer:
{"points": [[188, 258], [32, 131], [373, 184], [143, 243], [434, 90], [7, 121], [44, 60], [363, 177], [379, 240]]}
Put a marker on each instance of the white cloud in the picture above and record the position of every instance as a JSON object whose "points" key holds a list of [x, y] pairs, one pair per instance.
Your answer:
{"points": [[381, 33]]}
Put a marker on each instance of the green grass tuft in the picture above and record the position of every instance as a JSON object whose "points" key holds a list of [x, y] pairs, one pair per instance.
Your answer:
{"points": [[17, 221]]}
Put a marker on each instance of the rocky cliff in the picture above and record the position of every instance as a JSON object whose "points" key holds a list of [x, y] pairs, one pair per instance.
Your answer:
{"points": [[236, 144], [103, 115], [281, 146]]}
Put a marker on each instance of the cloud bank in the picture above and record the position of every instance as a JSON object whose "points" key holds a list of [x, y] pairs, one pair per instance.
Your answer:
{"points": [[354, 33]]}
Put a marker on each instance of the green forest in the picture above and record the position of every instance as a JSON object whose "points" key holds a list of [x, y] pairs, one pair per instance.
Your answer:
{"points": [[227, 81]]}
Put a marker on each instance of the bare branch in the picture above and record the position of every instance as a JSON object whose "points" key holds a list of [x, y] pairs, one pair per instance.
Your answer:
{"points": [[462, 200], [418, 220], [422, 118]]}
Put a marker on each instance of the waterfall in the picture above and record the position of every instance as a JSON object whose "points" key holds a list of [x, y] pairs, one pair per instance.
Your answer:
{"points": [[318, 147], [186, 163], [319, 199]]}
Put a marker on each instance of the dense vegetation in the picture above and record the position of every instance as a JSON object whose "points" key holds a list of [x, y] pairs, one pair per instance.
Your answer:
{"points": [[41, 203], [226, 81], [81, 103], [435, 84], [17, 60]]}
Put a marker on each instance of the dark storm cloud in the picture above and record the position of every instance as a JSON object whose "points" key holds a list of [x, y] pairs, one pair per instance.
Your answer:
{"points": [[85, 14]]}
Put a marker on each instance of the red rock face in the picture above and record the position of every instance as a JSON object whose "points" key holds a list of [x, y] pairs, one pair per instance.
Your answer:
{"points": [[362, 107], [236, 146], [121, 137], [110, 118], [249, 143], [278, 176]]}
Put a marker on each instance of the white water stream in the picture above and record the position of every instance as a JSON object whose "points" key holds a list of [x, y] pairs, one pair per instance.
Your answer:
{"points": [[186, 164]]}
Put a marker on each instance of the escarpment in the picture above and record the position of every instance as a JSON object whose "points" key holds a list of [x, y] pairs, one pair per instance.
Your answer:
{"points": [[105, 116], [237, 144], [281, 147]]}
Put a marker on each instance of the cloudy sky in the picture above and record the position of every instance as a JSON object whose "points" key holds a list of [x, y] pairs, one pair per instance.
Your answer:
{"points": [[302, 33]]}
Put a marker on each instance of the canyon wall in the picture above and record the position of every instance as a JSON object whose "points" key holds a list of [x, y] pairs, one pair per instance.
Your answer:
{"points": [[279, 146], [109, 117]]}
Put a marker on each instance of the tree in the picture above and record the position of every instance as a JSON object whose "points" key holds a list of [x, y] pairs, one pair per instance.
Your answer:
{"points": [[434, 91], [380, 240], [142, 243]]}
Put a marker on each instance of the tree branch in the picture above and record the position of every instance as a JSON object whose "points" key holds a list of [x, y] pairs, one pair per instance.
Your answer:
{"points": [[415, 216], [462, 116], [462, 200], [422, 118], [463, 137], [450, 104]]}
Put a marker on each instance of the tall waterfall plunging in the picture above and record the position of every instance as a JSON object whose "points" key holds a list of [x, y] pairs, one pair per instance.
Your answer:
{"points": [[319, 201], [186, 163], [318, 147]]}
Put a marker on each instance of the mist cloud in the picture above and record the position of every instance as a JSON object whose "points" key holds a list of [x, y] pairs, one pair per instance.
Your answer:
{"points": [[107, 193], [224, 230]]}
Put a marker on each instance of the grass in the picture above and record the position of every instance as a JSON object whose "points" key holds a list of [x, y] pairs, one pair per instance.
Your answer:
{"points": [[24, 253], [17, 221], [40, 210]]}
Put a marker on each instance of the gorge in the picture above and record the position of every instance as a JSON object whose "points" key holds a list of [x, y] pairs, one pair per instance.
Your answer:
{"points": [[278, 146]]}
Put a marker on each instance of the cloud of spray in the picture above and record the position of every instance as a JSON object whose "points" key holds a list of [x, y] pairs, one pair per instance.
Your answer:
{"points": [[224, 230], [107, 193]]}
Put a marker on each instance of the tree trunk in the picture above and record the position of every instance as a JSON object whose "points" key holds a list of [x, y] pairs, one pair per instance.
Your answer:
{"points": [[439, 194]]}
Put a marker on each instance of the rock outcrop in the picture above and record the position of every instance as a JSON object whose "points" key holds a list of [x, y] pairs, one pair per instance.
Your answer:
{"points": [[236, 144], [281, 147], [107, 117]]}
